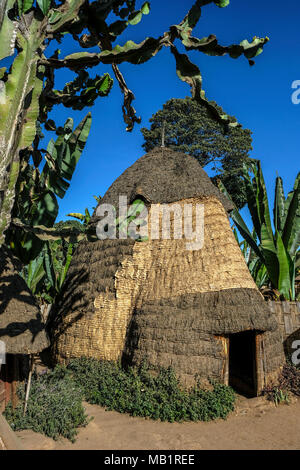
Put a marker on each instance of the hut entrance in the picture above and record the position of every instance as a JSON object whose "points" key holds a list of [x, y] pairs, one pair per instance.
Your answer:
{"points": [[242, 363]]}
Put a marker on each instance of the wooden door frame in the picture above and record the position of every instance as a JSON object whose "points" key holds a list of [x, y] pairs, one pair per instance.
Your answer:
{"points": [[259, 364]]}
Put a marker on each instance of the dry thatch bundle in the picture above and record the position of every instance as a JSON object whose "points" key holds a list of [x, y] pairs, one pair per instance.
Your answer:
{"points": [[158, 300], [21, 328], [21, 325]]}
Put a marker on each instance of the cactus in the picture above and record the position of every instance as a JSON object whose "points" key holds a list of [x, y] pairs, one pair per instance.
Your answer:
{"points": [[27, 93]]}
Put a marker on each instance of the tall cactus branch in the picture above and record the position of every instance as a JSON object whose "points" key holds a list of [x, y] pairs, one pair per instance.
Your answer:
{"points": [[27, 91], [19, 110]]}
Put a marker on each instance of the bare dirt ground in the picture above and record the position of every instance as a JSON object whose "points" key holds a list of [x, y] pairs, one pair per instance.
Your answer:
{"points": [[256, 424]]}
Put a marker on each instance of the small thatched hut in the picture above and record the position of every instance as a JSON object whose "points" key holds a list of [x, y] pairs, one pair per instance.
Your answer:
{"points": [[21, 328], [197, 310]]}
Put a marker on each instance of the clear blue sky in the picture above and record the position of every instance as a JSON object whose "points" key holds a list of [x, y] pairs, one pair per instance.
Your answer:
{"points": [[259, 96]]}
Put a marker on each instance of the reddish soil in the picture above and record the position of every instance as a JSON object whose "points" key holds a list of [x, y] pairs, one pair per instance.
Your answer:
{"points": [[256, 424]]}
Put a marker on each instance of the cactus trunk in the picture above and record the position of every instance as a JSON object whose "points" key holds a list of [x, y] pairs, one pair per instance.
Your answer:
{"points": [[19, 108]]}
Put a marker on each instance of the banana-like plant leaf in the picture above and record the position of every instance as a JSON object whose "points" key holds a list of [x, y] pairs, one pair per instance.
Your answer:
{"points": [[270, 255], [279, 203], [36, 273], [24, 6], [262, 200], [261, 276], [250, 187], [284, 280], [297, 260], [44, 5], [48, 265], [63, 156], [63, 273], [240, 224], [291, 230]]}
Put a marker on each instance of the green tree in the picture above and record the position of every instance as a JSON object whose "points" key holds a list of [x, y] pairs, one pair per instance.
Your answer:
{"points": [[190, 128], [27, 88]]}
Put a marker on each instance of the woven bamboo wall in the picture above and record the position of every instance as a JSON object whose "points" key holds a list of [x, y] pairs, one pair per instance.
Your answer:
{"points": [[287, 315]]}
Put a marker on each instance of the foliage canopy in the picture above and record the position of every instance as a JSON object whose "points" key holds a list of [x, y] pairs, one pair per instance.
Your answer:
{"points": [[190, 128]]}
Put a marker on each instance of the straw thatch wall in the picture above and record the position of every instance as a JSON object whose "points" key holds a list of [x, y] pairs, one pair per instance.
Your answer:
{"points": [[156, 299], [128, 300], [21, 327]]}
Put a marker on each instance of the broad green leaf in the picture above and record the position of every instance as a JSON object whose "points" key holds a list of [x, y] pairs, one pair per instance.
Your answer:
{"points": [[24, 5], [261, 276], [49, 265], [291, 230], [44, 5], [269, 254], [262, 199], [240, 224], [279, 210], [35, 273], [251, 199], [284, 280], [63, 274]]}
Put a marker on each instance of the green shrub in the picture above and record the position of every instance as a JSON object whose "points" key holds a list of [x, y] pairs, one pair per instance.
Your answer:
{"points": [[54, 406], [137, 392]]}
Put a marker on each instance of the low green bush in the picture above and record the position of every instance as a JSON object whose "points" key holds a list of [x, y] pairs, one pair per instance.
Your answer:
{"points": [[55, 403], [54, 406], [137, 392]]}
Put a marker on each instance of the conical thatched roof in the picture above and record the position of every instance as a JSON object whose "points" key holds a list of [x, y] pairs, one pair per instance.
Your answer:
{"points": [[21, 326], [164, 176]]}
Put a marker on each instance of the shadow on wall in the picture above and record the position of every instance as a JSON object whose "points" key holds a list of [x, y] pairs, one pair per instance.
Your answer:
{"points": [[291, 347], [70, 302]]}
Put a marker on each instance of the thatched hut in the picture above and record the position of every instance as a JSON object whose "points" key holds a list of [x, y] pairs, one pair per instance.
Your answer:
{"points": [[197, 310], [21, 328]]}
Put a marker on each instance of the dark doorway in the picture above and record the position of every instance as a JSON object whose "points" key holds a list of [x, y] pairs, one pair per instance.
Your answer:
{"points": [[242, 363]]}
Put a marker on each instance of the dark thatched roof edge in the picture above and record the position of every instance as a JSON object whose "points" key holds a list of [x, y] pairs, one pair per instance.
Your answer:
{"points": [[163, 176]]}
